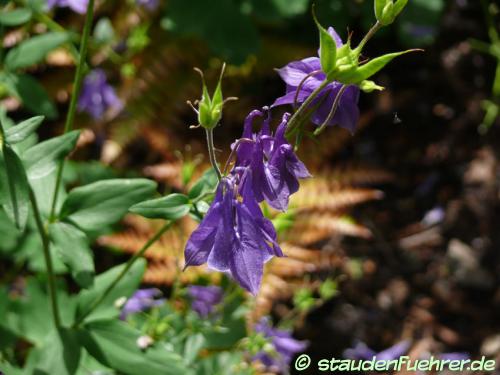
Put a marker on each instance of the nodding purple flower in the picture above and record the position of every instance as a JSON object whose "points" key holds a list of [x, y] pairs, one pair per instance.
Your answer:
{"points": [[284, 344], [97, 95], [79, 6], [205, 298], [148, 4], [362, 351], [142, 300], [234, 236], [273, 166], [294, 74]]}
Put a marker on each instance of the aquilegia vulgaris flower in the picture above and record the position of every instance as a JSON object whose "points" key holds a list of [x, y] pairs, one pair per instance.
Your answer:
{"points": [[234, 236], [347, 113], [97, 95], [79, 6], [205, 298], [142, 300], [273, 166], [284, 344]]}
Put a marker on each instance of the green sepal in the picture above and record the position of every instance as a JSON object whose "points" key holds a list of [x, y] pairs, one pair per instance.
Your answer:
{"points": [[365, 71], [327, 49], [370, 86]]}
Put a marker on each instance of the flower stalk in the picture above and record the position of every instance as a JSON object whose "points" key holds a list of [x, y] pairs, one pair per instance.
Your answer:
{"points": [[330, 116], [297, 117], [77, 83], [48, 259], [211, 152]]}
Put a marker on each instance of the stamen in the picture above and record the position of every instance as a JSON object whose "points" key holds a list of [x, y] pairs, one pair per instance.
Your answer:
{"points": [[299, 87], [333, 110], [233, 152]]}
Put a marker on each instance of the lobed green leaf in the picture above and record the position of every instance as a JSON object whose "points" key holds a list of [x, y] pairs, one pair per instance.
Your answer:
{"points": [[15, 17], [23, 130], [43, 159], [15, 184], [34, 50], [72, 246], [109, 309], [102, 203], [171, 207]]}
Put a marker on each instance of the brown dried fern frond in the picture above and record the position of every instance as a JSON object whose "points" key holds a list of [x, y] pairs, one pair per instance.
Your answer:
{"points": [[318, 196], [355, 175], [315, 227]]}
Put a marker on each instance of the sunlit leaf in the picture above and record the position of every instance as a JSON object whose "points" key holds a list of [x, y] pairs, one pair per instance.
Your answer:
{"points": [[73, 248], [105, 202], [34, 50], [171, 207]]}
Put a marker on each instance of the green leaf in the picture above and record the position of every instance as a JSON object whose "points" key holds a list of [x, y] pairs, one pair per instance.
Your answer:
{"points": [[7, 368], [327, 48], [30, 92], [15, 17], [114, 344], [60, 354], [205, 185], [194, 343], [233, 326], [108, 308], [171, 207], [13, 178], [369, 69], [31, 315], [23, 130], [43, 159], [72, 246], [34, 50], [104, 202]]}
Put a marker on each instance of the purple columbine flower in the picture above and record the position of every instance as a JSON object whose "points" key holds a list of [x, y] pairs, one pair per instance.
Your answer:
{"points": [[79, 6], [293, 74], [362, 351], [97, 95], [285, 345], [274, 169], [234, 236], [205, 298], [142, 300], [148, 4]]}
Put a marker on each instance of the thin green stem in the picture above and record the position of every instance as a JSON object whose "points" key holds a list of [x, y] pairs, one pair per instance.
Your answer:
{"points": [[376, 27], [74, 98], [296, 118], [211, 152], [129, 264], [332, 111], [48, 260]]}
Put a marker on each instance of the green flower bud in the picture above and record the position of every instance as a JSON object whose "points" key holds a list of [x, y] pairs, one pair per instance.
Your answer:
{"points": [[386, 11], [210, 108]]}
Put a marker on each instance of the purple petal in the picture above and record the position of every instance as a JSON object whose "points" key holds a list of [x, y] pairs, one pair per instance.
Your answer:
{"points": [[394, 351]]}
